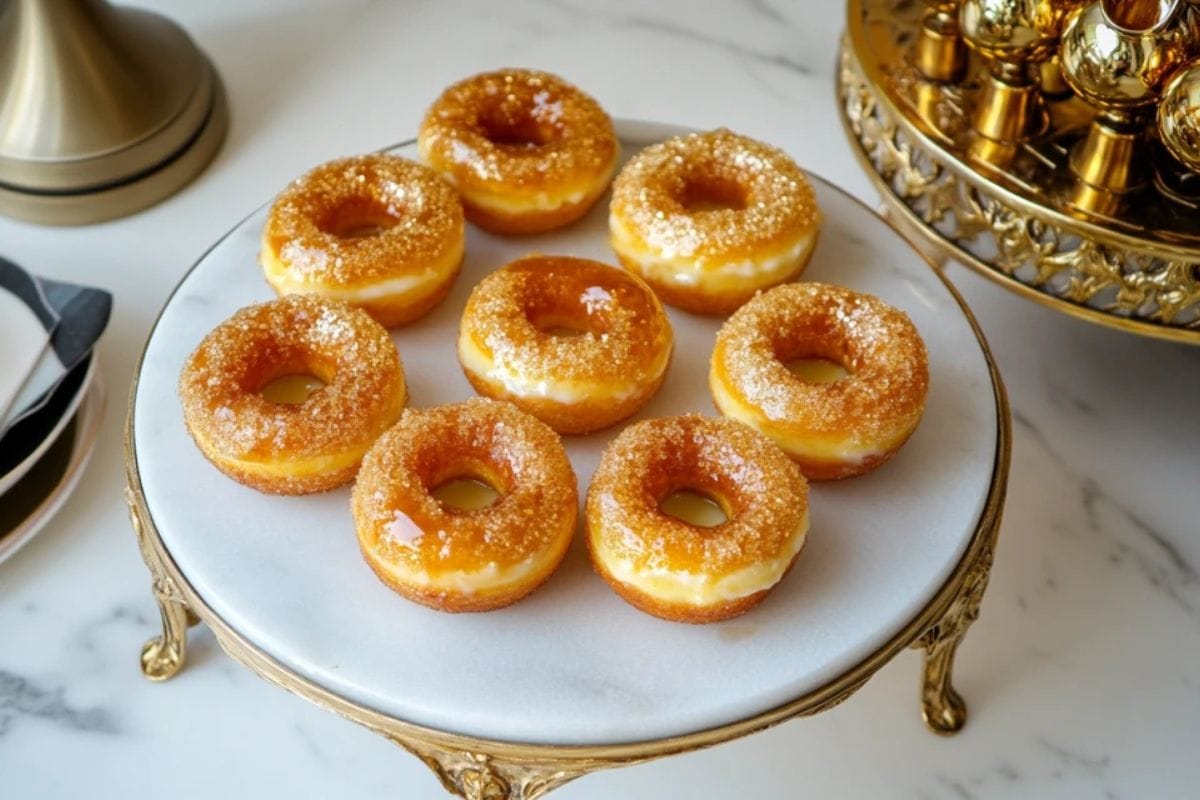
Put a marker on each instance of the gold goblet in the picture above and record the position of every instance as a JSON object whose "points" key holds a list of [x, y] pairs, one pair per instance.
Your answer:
{"points": [[1016, 37], [1116, 55]]}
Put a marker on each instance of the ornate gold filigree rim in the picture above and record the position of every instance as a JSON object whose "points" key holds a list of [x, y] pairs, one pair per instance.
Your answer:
{"points": [[925, 232], [471, 765]]}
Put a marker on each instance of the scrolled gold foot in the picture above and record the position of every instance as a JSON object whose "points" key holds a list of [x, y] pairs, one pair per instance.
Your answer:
{"points": [[942, 707], [164, 655]]}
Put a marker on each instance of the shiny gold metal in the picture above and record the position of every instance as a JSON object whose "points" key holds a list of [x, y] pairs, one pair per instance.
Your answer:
{"points": [[1015, 37], [1016, 211], [481, 769], [1179, 117], [1111, 158], [1116, 55], [103, 111], [941, 54]]}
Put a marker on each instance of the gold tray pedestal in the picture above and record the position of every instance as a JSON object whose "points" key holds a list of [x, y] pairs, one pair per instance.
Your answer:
{"points": [[480, 769], [1051, 145]]}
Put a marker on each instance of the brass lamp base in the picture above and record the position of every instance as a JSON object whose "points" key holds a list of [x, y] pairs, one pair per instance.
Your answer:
{"points": [[103, 111]]}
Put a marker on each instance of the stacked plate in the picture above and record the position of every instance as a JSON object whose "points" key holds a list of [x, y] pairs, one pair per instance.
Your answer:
{"points": [[51, 397]]}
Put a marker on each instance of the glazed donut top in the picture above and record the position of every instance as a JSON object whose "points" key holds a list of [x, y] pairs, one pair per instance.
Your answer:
{"points": [[296, 334], [351, 221], [521, 457], [519, 127], [876, 343], [765, 493], [762, 196], [625, 326]]}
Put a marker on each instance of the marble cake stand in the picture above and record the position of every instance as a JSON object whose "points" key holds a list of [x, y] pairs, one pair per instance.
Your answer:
{"points": [[514, 703]]}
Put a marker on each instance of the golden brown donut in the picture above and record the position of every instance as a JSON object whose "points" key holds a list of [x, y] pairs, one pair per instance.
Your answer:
{"points": [[511, 343], [682, 572], [834, 430], [708, 219], [454, 560], [283, 448], [528, 151], [378, 231]]}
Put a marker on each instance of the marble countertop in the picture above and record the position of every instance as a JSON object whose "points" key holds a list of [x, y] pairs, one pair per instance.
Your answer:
{"points": [[1082, 675]]}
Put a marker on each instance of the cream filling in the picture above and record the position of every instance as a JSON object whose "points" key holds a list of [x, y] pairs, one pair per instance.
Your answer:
{"points": [[283, 467], [566, 392], [815, 446], [420, 283], [686, 271], [514, 201], [490, 579], [697, 588]]}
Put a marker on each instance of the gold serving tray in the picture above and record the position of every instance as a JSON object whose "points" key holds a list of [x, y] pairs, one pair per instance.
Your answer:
{"points": [[1014, 211]]}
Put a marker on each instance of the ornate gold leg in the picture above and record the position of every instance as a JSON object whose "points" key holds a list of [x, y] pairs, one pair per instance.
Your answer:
{"points": [[477, 776], [942, 707], [164, 655]]}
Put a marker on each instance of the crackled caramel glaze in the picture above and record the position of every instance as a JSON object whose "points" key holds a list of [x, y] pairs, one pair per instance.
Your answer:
{"points": [[292, 448], [378, 231], [832, 430], [456, 560], [676, 570], [528, 151], [612, 365], [710, 218]]}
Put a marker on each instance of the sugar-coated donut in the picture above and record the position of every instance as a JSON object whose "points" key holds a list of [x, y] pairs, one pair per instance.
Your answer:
{"points": [[378, 231], [454, 560], [678, 571], [834, 430], [283, 448], [511, 343], [708, 219], [528, 151]]}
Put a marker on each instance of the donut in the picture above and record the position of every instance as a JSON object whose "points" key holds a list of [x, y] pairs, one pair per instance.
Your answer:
{"points": [[528, 151], [286, 448], [708, 219], [578, 344], [671, 568], [454, 560], [378, 231], [832, 430]]}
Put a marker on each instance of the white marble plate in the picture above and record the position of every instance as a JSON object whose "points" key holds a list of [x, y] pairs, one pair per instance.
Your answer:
{"points": [[573, 664]]}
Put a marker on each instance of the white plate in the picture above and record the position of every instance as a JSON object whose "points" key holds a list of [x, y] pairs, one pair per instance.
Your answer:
{"points": [[62, 472], [52, 427], [573, 664]]}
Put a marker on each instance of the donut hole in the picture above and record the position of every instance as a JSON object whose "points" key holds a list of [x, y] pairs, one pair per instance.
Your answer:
{"points": [[290, 380], [359, 218], [562, 317], [516, 131], [816, 360], [712, 193], [696, 507], [816, 370], [462, 478], [291, 389], [465, 493]]}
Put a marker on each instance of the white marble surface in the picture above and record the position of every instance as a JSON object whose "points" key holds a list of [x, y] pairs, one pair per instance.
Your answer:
{"points": [[1082, 674]]}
